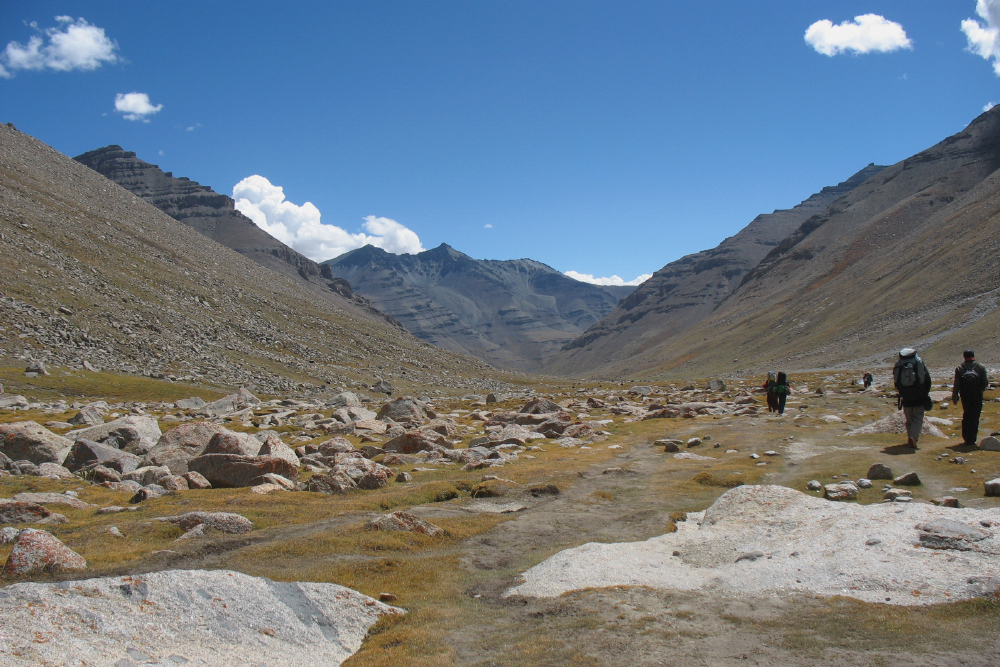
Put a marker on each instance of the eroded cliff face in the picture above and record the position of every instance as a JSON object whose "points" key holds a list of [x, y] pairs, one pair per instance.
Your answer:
{"points": [[686, 291], [514, 313], [215, 216]]}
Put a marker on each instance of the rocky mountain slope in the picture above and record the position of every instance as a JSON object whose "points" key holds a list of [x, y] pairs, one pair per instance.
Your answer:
{"points": [[215, 216], [516, 314], [906, 258], [687, 290], [94, 274]]}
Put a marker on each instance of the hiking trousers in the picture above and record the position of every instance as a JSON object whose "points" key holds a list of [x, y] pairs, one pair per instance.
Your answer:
{"points": [[914, 421], [781, 403], [971, 410]]}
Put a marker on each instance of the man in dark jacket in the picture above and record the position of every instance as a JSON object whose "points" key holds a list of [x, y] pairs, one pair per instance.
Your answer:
{"points": [[970, 384], [913, 383]]}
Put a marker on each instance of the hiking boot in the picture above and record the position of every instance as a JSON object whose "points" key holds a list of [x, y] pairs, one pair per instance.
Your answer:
{"points": [[910, 442]]}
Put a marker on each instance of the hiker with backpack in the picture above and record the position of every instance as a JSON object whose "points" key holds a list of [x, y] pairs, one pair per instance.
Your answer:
{"points": [[867, 379], [970, 384], [782, 391], [772, 398], [913, 383]]}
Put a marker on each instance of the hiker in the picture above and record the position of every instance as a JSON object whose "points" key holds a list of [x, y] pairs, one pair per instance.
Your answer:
{"points": [[970, 384], [867, 379], [772, 399], [913, 383], [781, 391]]}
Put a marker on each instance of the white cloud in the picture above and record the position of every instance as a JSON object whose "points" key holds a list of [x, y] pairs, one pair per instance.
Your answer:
{"points": [[613, 280], [984, 40], [135, 106], [69, 46], [300, 227], [162, 153], [867, 33], [988, 106], [487, 226], [192, 128]]}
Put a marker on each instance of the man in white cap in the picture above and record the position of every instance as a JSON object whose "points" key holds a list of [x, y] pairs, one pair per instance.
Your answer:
{"points": [[913, 383]]}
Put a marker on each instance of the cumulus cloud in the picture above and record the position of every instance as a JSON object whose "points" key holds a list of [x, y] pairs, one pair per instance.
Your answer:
{"points": [[866, 33], [300, 227], [487, 226], [613, 280], [984, 40], [988, 106], [135, 106], [70, 45]]}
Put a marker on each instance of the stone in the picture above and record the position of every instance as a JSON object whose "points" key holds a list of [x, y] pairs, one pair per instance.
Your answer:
{"points": [[895, 423], [196, 480], [234, 470], [893, 495], [411, 442], [948, 534], [185, 617], [115, 532], [40, 552], [180, 444], [492, 398], [947, 501], [909, 479], [344, 399], [225, 522], [595, 403], [36, 368], [864, 483], [990, 444], [404, 477], [87, 417], [283, 483], [841, 491], [99, 474], [9, 534], [539, 406], [814, 485], [716, 385], [669, 445], [143, 427], [751, 556], [32, 442], [992, 487], [382, 387], [8, 402], [330, 483], [404, 521], [335, 445], [370, 451], [273, 446], [13, 511], [173, 483], [404, 409], [53, 470], [193, 403], [694, 442], [879, 471], [371, 426], [87, 454], [231, 442], [52, 499], [147, 475], [241, 400], [376, 479]]}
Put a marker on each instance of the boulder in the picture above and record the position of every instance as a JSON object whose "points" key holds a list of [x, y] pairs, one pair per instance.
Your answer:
{"points": [[992, 487], [540, 406], [87, 454], [343, 400], [376, 479], [948, 534], [99, 474], [241, 400], [8, 402], [87, 417], [947, 501], [415, 441], [193, 403], [185, 617], [814, 485], [371, 451], [595, 403], [716, 385], [404, 409], [879, 471], [492, 398], [144, 427], [196, 481], [29, 441], [273, 446], [179, 445], [335, 445], [841, 491], [36, 368], [147, 475], [128, 438], [234, 470], [330, 483], [230, 442], [404, 521], [173, 483], [225, 522], [37, 552], [382, 387], [13, 511], [282, 483], [909, 479], [371, 426], [990, 444], [52, 470], [52, 499]]}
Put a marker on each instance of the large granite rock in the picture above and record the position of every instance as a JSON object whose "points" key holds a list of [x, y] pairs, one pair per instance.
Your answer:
{"points": [[274, 447], [28, 441], [181, 444], [233, 470], [229, 442], [14, 511], [37, 552], [405, 410], [241, 400], [192, 617], [145, 427], [87, 454]]}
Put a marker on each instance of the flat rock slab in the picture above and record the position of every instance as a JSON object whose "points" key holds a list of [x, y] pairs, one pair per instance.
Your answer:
{"points": [[52, 499], [891, 553], [895, 423], [184, 617]]}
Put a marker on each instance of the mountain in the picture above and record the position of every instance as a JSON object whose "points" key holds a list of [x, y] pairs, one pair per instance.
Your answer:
{"points": [[908, 257], [687, 290], [515, 314], [215, 216], [94, 274]]}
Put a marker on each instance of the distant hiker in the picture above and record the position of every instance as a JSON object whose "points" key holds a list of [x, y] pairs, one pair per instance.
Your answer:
{"points": [[970, 384], [772, 399], [867, 379], [913, 383], [782, 391]]}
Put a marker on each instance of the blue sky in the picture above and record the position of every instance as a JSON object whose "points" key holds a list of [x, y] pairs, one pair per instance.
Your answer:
{"points": [[607, 138]]}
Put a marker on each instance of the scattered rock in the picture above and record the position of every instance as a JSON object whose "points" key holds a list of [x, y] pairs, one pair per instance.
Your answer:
{"points": [[990, 444], [406, 410], [145, 428], [36, 552], [179, 445], [864, 483], [36, 368], [234, 470], [895, 423], [32, 442], [539, 406], [992, 487], [894, 495], [814, 485], [196, 480], [52, 499], [225, 522], [404, 521], [87, 417], [716, 385], [331, 483], [404, 477], [948, 534], [193, 403], [909, 479], [13, 511], [879, 471], [88, 454], [947, 501], [694, 442]]}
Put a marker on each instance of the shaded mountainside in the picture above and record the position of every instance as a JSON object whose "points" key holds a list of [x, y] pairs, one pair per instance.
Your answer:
{"points": [[215, 216], [909, 257], [686, 291], [514, 313], [93, 273]]}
